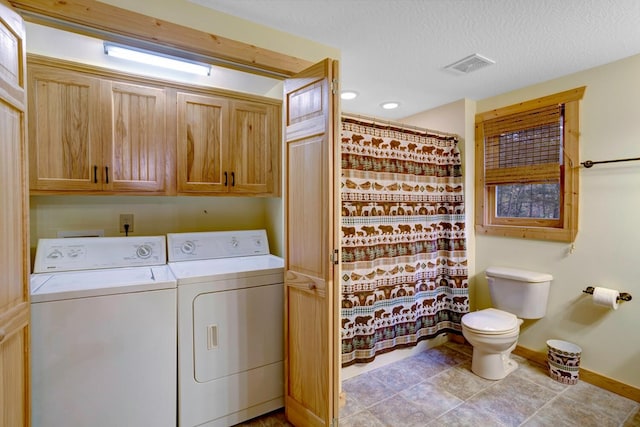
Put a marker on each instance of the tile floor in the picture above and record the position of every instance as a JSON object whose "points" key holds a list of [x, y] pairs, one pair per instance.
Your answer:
{"points": [[437, 388]]}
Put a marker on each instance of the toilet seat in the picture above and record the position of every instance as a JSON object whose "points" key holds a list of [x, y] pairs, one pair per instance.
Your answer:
{"points": [[490, 321]]}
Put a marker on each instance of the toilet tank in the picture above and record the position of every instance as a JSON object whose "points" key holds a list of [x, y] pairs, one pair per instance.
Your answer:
{"points": [[520, 292]]}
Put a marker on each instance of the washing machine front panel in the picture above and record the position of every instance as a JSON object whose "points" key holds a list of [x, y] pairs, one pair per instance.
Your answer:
{"points": [[236, 331], [105, 361]]}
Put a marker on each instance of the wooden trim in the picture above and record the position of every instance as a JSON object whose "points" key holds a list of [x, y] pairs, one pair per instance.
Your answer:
{"points": [[90, 17], [557, 98], [587, 376]]}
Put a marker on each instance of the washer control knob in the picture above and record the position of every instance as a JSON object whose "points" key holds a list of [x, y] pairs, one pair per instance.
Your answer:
{"points": [[144, 251], [188, 247], [55, 254]]}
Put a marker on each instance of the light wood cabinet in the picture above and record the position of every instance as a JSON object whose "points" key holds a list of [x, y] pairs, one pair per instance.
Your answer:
{"points": [[202, 151], [227, 145], [254, 160], [64, 130], [134, 138], [92, 134], [95, 131]]}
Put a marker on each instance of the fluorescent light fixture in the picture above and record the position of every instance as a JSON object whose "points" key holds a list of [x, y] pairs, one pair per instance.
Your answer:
{"points": [[156, 59], [390, 105], [348, 94]]}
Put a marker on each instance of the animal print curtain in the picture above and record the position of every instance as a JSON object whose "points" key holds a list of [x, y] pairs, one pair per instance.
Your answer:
{"points": [[404, 260]]}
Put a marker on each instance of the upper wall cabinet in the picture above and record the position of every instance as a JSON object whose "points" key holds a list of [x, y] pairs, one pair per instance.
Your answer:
{"points": [[227, 145], [97, 131], [94, 134]]}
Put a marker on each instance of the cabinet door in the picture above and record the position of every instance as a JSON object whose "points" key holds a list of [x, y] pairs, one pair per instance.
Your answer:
{"points": [[14, 224], [64, 130], [254, 143], [134, 139], [202, 144]]}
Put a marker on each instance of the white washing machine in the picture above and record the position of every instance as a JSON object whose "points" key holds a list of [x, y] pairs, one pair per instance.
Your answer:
{"points": [[230, 326], [103, 333]]}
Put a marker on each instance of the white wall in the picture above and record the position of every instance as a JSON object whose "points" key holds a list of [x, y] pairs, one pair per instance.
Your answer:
{"points": [[608, 242]]}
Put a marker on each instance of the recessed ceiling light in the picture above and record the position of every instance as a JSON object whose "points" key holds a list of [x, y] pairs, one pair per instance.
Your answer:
{"points": [[390, 105], [348, 94]]}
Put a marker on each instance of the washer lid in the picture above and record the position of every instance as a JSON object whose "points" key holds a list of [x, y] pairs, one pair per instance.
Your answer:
{"points": [[93, 283], [490, 320]]}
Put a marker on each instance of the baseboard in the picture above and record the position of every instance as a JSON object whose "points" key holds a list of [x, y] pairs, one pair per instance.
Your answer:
{"points": [[585, 375]]}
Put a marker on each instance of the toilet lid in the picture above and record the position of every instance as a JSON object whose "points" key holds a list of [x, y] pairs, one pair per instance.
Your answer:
{"points": [[490, 320]]}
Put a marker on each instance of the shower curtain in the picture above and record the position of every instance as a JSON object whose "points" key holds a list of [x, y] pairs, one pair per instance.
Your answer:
{"points": [[404, 262]]}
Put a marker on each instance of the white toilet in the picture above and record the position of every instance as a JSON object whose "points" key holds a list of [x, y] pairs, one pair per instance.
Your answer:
{"points": [[493, 332]]}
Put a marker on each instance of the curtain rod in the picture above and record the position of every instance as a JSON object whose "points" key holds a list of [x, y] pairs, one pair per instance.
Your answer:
{"points": [[400, 125], [587, 164]]}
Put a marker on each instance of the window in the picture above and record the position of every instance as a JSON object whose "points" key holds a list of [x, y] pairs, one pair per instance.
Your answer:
{"points": [[527, 168]]}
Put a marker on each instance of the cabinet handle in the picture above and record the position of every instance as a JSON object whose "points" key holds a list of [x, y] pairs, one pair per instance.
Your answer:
{"points": [[233, 179], [106, 174], [225, 180], [95, 174]]}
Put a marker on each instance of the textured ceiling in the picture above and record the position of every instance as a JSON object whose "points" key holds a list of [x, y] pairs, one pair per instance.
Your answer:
{"points": [[397, 49]]}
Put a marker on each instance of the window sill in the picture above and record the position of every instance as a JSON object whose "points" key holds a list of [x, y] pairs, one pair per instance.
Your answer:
{"points": [[536, 233]]}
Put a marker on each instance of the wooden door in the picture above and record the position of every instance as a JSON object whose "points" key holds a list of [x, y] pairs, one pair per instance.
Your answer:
{"points": [[64, 130], [311, 277], [255, 135], [202, 144], [14, 244], [134, 137]]}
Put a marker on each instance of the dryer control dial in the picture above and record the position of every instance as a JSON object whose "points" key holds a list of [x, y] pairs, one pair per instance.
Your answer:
{"points": [[188, 247]]}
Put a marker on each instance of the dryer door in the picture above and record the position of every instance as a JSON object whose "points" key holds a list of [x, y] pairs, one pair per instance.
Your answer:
{"points": [[236, 331]]}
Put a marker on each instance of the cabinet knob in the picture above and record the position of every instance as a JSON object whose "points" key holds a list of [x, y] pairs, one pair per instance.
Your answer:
{"points": [[95, 174], [106, 174], [233, 179], [225, 179]]}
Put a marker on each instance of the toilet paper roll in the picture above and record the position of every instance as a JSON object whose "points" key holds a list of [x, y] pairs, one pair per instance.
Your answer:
{"points": [[606, 297]]}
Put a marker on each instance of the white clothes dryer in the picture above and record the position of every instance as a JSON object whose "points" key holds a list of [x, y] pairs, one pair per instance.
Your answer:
{"points": [[230, 326], [103, 333]]}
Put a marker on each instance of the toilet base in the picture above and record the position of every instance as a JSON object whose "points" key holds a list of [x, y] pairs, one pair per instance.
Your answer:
{"points": [[492, 366]]}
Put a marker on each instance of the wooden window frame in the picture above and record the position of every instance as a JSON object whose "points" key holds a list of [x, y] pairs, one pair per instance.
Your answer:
{"points": [[565, 228]]}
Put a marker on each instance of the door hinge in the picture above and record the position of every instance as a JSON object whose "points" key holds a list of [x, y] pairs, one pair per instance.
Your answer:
{"points": [[334, 86], [335, 257]]}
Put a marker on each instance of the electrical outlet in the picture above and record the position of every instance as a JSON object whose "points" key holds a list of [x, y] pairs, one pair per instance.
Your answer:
{"points": [[126, 219]]}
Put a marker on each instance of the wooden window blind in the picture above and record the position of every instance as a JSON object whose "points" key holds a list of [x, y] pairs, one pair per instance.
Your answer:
{"points": [[524, 147]]}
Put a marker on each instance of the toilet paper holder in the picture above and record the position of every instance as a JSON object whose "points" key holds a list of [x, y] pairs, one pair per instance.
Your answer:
{"points": [[623, 295]]}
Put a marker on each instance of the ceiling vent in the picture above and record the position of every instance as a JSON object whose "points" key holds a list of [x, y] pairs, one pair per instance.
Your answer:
{"points": [[469, 64]]}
